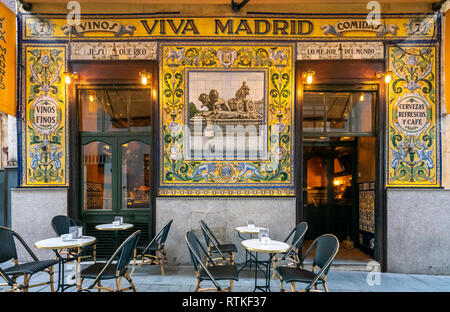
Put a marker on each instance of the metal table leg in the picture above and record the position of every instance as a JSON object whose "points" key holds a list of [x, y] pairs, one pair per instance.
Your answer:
{"points": [[61, 260], [265, 270], [248, 256]]}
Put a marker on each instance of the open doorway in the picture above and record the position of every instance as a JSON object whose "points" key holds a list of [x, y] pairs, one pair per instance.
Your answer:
{"points": [[339, 166]]}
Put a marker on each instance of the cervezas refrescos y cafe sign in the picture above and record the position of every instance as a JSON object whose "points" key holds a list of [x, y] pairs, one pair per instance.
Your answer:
{"points": [[264, 27]]}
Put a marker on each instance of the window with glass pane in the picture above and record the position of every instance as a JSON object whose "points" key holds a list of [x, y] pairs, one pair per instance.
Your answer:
{"points": [[97, 176], [115, 110], [338, 112], [316, 181], [313, 112], [135, 175]]}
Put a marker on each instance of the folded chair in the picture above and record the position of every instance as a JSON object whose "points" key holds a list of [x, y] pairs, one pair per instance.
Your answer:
{"points": [[212, 273], [294, 254], [8, 251], [327, 248], [61, 225], [99, 272], [156, 245], [226, 251]]}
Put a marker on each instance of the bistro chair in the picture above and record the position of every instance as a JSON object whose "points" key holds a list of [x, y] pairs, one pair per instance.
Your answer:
{"points": [[212, 273], [109, 270], [156, 245], [8, 251], [327, 248], [294, 254], [215, 247], [61, 225]]}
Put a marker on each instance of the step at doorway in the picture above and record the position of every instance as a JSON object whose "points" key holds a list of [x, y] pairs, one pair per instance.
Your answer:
{"points": [[351, 259]]}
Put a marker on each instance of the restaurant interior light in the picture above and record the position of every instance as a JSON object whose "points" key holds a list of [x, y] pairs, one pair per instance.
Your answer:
{"points": [[361, 98], [145, 77], [308, 76]]}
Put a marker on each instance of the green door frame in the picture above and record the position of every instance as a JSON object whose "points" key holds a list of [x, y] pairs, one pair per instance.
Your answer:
{"points": [[116, 139]]}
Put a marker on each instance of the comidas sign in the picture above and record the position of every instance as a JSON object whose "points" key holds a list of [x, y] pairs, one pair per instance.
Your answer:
{"points": [[7, 60]]}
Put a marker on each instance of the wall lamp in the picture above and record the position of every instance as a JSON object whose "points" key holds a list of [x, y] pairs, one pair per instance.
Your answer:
{"points": [[69, 76], [387, 75], [145, 77], [308, 76], [26, 6], [238, 6]]}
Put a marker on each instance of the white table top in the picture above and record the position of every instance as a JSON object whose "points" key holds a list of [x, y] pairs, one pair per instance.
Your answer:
{"points": [[58, 243], [247, 230], [272, 247], [111, 227]]}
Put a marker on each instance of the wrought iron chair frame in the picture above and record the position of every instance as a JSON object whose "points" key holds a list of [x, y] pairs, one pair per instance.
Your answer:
{"points": [[74, 252], [161, 254], [11, 278], [320, 275], [212, 238], [204, 267], [287, 256], [97, 283]]}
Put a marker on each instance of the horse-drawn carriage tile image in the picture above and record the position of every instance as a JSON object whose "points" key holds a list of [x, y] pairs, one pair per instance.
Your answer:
{"points": [[229, 107], [226, 119]]}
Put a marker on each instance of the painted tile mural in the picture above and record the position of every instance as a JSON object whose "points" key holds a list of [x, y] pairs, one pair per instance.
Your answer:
{"points": [[44, 136], [226, 120], [367, 217], [413, 136]]}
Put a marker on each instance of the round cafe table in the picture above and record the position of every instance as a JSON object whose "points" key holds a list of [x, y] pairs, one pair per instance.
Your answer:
{"points": [[116, 229], [272, 248], [246, 230], [56, 244]]}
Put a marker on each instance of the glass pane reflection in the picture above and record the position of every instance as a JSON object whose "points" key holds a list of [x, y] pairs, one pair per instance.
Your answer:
{"points": [[113, 110], [135, 175], [97, 176], [344, 112]]}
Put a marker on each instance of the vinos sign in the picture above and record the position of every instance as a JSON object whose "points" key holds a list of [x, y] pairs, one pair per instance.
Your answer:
{"points": [[45, 114]]}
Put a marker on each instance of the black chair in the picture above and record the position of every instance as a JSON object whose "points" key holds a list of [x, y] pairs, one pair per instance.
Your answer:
{"points": [[212, 273], [8, 251], [109, 270], [294, 254], [327, 248], [156, 245], [215, 247], [61, 225]]}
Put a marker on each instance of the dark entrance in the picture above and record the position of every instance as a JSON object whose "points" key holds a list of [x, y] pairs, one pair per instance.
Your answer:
{"points": [[329, 189]]}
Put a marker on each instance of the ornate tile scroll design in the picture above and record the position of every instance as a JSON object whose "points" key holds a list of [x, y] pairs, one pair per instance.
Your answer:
{"points": [[181, 175], [44, 148], [413, 132]]}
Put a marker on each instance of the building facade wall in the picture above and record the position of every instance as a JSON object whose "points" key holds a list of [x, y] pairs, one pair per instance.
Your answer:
{"points": [[418, 232], [31, 212], [223, 214]]}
